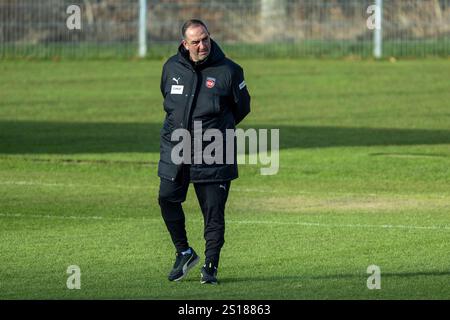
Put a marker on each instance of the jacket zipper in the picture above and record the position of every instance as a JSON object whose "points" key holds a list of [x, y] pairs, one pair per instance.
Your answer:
{"points": [[187, 122]]}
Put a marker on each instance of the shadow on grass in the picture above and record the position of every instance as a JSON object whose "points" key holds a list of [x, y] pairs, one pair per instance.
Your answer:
{"points": [[20, 137], [333, 277]]}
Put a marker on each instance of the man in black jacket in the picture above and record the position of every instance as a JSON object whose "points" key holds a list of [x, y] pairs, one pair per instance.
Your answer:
{"points": [[200, 86]]}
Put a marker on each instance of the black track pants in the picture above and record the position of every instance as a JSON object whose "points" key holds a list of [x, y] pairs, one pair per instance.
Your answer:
{"points": [[212, 198]]}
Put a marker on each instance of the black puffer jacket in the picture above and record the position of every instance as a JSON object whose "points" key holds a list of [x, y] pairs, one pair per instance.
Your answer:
{"points": [[213, 92]]}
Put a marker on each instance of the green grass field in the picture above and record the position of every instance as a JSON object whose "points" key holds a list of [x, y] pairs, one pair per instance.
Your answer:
{"points": [[364, 179]]}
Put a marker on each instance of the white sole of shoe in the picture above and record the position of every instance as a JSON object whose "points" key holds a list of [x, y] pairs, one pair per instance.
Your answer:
{"points": [[188, 267], [206, 282]]}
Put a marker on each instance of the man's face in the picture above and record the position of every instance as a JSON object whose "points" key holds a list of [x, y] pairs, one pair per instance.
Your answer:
{"points": [[197, 42]]}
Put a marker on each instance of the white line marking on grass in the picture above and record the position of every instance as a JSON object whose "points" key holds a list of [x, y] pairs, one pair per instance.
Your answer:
{"points": [[328, 225], [114, 186], [305, 224], [33, 183], [48, 216], [70, 185]]}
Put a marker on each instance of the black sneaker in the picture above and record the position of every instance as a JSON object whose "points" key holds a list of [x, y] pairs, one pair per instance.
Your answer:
{"points": [[209, 274], [183, 263]]}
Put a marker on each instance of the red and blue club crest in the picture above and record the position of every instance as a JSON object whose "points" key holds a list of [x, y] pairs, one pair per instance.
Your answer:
{"points": [[210, 82]]}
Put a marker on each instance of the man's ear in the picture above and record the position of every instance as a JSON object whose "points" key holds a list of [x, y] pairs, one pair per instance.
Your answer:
{"points": [[185, 44]]}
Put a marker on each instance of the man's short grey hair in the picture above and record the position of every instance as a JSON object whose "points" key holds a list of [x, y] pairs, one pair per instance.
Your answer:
{"points": [[191, 23]]}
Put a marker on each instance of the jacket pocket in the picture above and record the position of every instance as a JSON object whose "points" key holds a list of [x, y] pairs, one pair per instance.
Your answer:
{"points": [[167, 171]]}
